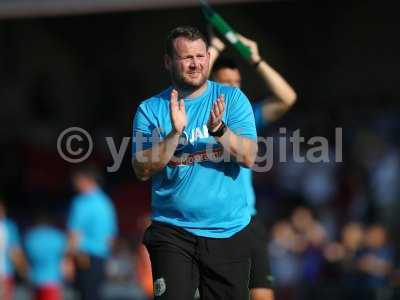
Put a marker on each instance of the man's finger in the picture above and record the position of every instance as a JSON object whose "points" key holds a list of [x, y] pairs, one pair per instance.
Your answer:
{"points": [[182, 105], [174, 95], [216, 109], [174, 99], [221, 104], [240, 37], [249, 43], [244, 39], [213, 117]]}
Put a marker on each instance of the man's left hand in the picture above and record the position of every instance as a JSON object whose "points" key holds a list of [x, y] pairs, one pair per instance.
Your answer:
{"points": [[215, 120]]}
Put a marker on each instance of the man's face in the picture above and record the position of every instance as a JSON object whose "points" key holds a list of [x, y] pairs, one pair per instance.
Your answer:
{"points": [[80, 183], [228, 76], [189, 64], [76, 183]]}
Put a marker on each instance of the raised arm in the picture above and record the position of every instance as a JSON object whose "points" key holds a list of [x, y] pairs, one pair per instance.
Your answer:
{"points": [[283, 95], [215, 48], [150, 161]]}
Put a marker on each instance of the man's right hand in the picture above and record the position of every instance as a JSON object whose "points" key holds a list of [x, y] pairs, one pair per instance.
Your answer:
{"points": [[150, 161], [215, 48], [215, 41], [178, 113], [255, 54]]}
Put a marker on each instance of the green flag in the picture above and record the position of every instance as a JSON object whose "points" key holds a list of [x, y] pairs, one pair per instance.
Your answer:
{"points": [[223, 28]]}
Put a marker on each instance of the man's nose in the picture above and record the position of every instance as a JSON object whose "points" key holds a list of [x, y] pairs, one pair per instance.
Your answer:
{"points": [[194, 62]]}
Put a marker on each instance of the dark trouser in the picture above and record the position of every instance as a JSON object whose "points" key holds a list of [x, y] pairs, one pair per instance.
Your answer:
{"points": [[260, 275], [182, 262], [89, 279]]}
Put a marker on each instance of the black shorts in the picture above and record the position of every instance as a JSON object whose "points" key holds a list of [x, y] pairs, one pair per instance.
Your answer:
{"points": [[182, 262], [260, 276]]}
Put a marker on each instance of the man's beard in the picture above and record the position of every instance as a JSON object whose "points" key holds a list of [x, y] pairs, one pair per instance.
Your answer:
{"points": [[183, 84]]}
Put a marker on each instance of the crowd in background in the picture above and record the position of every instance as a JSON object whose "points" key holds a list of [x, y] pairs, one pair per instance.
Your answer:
{"points": [[332, 226]]}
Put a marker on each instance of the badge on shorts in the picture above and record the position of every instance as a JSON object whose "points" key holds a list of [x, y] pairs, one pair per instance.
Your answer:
{"points": [[159, 287]]}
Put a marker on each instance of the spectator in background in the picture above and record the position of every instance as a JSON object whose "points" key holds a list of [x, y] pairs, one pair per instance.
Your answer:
{"points": [[376, 259], [352, 242], [11, 254], [283, 253], [268, 110], [92, 228], [45, 247], [312, 236], [341, 262]]}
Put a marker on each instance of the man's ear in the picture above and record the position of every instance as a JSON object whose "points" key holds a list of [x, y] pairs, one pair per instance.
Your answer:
{"points": [[167, 62]]}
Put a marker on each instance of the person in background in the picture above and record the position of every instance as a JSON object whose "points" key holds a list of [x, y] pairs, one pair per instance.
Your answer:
{"points": [[92, 227], [284, 250], [225, 71], [352, 241], [376, 259], [313, 237], [46, 247], [340, 256], [11, 255]]}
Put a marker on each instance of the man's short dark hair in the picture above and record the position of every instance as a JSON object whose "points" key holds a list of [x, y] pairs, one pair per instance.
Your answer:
{"points": [[89, 171], [224, 63], [188, 32]]}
